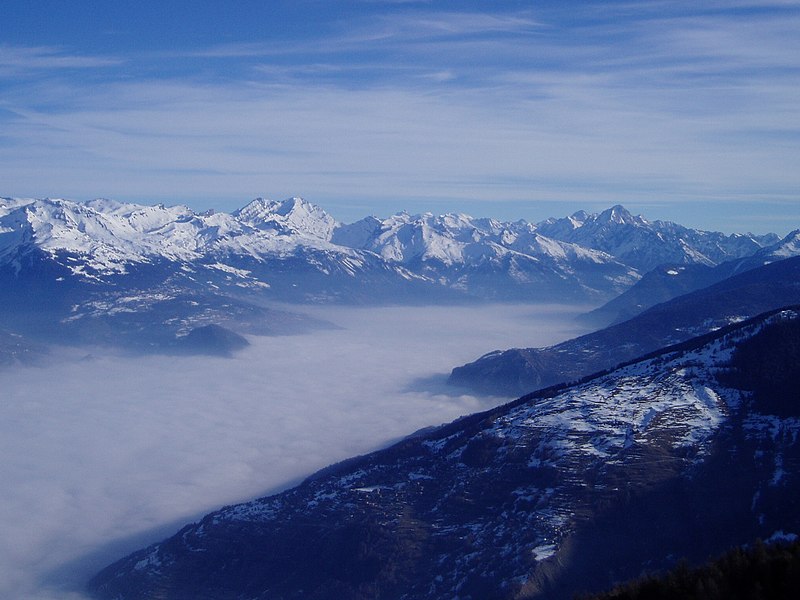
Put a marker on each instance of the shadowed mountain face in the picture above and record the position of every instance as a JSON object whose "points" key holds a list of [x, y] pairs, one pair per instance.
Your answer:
{"points": [[150, 307], [521, 370], [211, 339], [662, 284], [669, 281], [568, 489], [759, 572]]}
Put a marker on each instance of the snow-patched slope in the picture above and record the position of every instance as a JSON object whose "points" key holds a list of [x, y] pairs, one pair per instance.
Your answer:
{"points": [[788, 247], [502, 503], [604, 417]]}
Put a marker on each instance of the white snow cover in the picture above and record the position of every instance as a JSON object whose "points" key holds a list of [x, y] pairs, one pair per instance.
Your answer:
{"points": [[787, 247], [113, 234], [292, 216], [608, 414], [671, 396], [456, 238], [647, 244], [109, 236], [101, 238]]}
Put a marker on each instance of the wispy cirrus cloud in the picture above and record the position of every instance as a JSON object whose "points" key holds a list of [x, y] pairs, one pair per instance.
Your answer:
{"points": [[541, 137], [368, 34], [456, 24], [634, 101], [232, 50], [19, 60]]}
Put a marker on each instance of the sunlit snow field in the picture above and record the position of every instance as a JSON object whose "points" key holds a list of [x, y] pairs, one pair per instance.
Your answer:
{"points": [[104, 455]]}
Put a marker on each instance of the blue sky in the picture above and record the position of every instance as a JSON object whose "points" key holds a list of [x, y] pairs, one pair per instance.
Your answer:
{"points": [[679, 110]]}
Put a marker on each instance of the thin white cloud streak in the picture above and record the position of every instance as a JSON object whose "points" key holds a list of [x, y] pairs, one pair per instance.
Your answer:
{"points": [[456, 24], [95, 452], [396, 29], [235, 50], [19, 60], [723, 45]]}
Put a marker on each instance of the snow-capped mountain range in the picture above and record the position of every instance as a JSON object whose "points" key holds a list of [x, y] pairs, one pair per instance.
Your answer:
{"points": [[683, 453], [110, 272], [109, 235], [590, 256], [645, 244]]}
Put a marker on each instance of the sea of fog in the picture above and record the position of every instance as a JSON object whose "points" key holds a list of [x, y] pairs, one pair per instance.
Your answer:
{"points": [[103, 454]]}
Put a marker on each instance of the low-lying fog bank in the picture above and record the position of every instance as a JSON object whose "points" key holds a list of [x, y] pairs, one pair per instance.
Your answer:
{"points": [[103, 456]]}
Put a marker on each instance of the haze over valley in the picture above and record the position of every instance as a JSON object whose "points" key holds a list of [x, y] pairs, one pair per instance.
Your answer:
{"points": [[104, 453], [158, 363], [398, 299]]}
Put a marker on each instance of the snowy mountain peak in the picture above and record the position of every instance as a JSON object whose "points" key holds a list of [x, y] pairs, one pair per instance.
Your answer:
{"points": [[458, 248], [293, 216], [110, 234], [358, 234], [644, 244], [578, 218], [619, 215], [787, 247]]}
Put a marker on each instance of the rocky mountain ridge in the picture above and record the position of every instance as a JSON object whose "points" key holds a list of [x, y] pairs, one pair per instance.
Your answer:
{"points": [[645, 244], [519, 370], [669, 281]]}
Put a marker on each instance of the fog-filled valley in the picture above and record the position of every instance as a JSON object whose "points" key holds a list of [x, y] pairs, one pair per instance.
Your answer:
{"points": [[104, 453], [159, 363], [392, 299]]}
